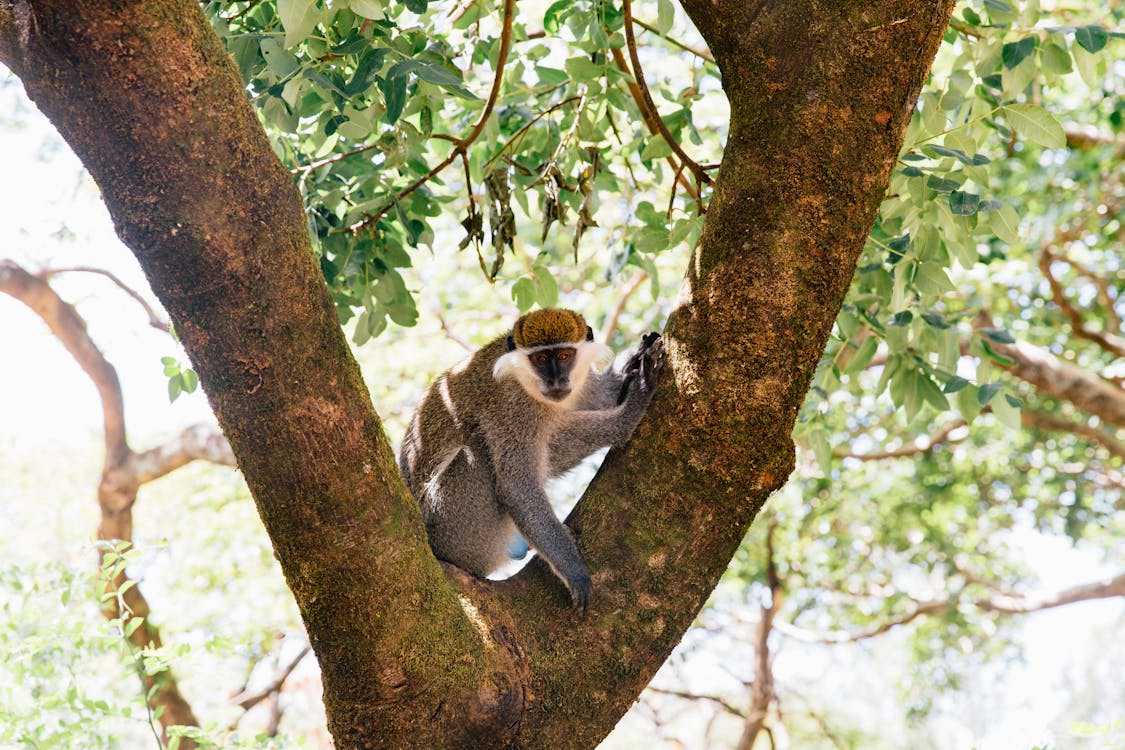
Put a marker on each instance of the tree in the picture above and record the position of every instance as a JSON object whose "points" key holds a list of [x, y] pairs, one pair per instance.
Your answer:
{"points": [[820, 100]]}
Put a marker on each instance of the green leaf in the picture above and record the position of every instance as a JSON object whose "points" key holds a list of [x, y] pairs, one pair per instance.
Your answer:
{"points": [[1055, 58], [190, 379], [298, 18], [995, 356], [1006, 413], [1014, 53], [665, 15], [524, 293], [1004, 223], [552, 18], [417, 6], [372, 9], [931, 393], [818, 440], [656, 148], [955, 384], [175, 388], [548, 295], [999, 335], [987, 391], [930, 278], [963, 204], [1036, 124], [582, 69], [863, 355], [394, 95], [1091, 38]]}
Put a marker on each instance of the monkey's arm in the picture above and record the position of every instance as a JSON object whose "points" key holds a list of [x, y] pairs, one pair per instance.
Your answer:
{"points": [[625, 393], [522, 497]]}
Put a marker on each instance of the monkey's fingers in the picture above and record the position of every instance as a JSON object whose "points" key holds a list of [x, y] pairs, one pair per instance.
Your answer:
{"points": [[652, 363], [581, 590]]}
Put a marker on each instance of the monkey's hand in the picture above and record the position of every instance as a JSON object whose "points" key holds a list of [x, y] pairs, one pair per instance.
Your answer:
{"points": [[643, 368], [581, 588]]}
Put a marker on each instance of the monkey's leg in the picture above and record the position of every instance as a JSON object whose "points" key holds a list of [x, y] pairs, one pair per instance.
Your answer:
{"points": [[465, 523], [525, 501]]}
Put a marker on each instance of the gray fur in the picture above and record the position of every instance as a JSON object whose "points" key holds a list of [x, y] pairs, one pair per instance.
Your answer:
{"points": [[479, 450]]}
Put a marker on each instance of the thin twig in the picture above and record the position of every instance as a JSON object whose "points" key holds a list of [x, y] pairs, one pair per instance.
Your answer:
{"points": [[649, 119], [703, 54], [478, 128], [611, 323], [700, 173], [154, 320]]}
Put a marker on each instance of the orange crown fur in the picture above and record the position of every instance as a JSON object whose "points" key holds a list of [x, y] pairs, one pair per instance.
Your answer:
{"points": [[549, 327]]}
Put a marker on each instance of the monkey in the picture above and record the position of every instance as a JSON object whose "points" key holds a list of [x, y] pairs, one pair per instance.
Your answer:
{"points": [[491, 431]]}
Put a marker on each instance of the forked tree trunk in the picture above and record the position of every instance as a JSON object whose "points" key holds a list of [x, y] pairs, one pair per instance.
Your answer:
{"points": [[820, 97]]}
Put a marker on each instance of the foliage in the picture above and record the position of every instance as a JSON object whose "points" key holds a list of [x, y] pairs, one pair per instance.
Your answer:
{"points": [[369, 107]]}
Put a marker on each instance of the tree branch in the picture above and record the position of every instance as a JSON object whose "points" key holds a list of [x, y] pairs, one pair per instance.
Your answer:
{"points": [[478, 128], [1105, 339], [247, 700], [1040, 368], [650, 119], [69, 328], [154, 320], [943, 435], [1042, 421], [701, 176], [196, 443], [611, 322], [1106, 588], [723, 703], [117, 490]]}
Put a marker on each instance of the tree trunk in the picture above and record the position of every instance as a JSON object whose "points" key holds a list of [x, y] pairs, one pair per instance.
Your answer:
{"points": [[820, 97]]}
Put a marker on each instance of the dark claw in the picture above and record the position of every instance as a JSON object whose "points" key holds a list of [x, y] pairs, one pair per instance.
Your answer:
{"points": [[581, 589]]}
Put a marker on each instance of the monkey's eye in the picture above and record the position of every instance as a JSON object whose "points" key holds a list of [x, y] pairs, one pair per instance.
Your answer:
{"points": [[564, 355], [539, 359]]}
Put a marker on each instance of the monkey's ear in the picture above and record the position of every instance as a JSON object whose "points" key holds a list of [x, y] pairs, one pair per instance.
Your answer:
{"points": [[589, 333], [511, 343]]}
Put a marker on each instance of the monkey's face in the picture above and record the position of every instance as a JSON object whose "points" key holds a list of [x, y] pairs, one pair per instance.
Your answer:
{"points": [[553, 368]]}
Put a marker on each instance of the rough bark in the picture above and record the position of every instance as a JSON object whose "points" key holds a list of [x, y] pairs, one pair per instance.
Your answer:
{"points": [[820, 94], [146, 96]]}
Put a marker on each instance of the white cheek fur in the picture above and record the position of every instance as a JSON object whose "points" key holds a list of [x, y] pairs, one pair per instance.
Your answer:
{"points": [[516, 364]]}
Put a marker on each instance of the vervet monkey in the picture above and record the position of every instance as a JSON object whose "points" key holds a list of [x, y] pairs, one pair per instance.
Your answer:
{"points": [[491, 431]]}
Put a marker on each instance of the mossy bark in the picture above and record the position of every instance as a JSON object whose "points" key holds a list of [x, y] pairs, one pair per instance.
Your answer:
{"points": [[820, 96]]}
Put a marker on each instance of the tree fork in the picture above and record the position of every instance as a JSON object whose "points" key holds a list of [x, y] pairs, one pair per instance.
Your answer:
{"points": [[820, 98]]}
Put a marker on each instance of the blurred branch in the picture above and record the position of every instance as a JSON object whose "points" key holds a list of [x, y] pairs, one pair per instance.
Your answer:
{"points": [[1084, 137], [998, 601], [701, 52], [1105, 339], [247, 700], [154, 320], [611, 322], [721, 702], [1106, 588], [1041, 421], [844, 636], [942, 435], [198, 442], [762, 693], [124, 470], [70, 329], [1045, 371]]}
